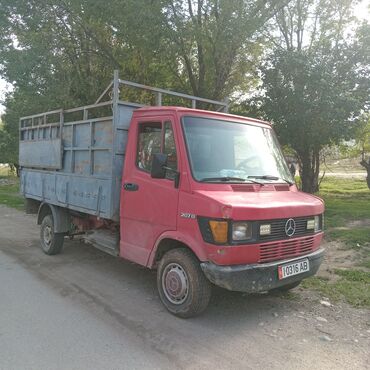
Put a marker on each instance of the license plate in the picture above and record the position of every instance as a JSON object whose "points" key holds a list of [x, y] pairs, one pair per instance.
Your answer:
{"points": [[294, 268]]}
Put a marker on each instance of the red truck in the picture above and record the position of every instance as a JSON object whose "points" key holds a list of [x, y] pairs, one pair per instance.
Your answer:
{"points": [[203, 197]]}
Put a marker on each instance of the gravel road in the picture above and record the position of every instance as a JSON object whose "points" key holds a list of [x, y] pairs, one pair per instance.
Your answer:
{"points": [[87, 310]]}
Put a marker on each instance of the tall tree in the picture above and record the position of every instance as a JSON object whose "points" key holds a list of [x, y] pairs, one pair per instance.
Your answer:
{"points": [[316, 80], [62, 52], [217, 43]]}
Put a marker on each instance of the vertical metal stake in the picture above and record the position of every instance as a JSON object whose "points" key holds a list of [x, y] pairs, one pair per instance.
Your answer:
{"points": [[158, 99]]}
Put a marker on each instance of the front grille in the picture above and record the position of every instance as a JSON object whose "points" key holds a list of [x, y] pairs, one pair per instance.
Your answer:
{"points": [[278, 228], [285, 249]]}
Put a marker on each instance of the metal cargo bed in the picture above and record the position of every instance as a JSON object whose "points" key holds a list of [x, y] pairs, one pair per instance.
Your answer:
{"points": [[74, 158]]}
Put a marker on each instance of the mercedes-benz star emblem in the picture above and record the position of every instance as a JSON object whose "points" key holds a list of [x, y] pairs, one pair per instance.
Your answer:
{"points": [[290, 227]]}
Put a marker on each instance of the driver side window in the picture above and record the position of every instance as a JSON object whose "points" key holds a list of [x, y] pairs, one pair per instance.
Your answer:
{"points": [[149, 142], [156, 138]]}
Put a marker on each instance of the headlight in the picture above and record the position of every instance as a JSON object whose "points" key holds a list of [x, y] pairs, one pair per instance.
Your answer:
{"points": [[265, 229], [317, 223], [314, 224], [311, 224], [241, 231]]}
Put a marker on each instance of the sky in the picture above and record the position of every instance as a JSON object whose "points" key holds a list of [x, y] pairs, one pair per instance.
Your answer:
{"points": [[361, 11]]}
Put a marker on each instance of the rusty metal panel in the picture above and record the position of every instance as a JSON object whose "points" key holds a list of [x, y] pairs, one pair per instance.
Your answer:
{"points": [[41, 154], [103, 134]]}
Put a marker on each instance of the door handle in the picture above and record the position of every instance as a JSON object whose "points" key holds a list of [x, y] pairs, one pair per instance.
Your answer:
{"points": [[130, 186]]}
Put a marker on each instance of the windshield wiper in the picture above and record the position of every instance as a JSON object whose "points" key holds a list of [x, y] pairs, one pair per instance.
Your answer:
{"points": [[229, 178], [269, 177]]}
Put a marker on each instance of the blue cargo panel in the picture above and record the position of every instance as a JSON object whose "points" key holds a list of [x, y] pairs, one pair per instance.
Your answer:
{"points": [[79, 193], [76, 164], [31, 155]]}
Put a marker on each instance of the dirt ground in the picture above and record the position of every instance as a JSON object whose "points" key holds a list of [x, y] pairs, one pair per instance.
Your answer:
{"points": [[85, 309], [338, 256]]}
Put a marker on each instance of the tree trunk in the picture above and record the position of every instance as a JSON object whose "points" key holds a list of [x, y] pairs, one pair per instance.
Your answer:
{"points": [[14, 168], [365, 164], [309, 170], [17, 169]]}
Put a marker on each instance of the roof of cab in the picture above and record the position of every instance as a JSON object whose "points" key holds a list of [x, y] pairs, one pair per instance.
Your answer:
{"points": [[154, 109]]}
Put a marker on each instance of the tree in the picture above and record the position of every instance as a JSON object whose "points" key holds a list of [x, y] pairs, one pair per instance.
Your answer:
{"points": [[217, 43], [8, 146], [363, 144], [315, 82], [60, 53]]}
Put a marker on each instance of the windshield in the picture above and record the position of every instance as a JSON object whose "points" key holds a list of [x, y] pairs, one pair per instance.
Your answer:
{"points": [[230, 151]]}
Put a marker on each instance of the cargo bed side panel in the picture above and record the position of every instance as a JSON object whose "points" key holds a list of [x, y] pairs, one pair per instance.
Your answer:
{"points": [[76, 164]]}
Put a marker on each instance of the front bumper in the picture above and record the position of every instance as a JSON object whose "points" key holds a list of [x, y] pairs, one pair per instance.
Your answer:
{"points": [[256, 278]]}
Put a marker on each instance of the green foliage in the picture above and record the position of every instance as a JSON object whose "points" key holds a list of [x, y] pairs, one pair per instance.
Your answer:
{"points": [[216, 42], [315, 81], [10, 197], [362, 139], [62, 53], [363, 135]]}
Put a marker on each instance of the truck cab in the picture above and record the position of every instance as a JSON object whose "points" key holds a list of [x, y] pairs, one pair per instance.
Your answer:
{"points": [[225, 194], [205, 198]]}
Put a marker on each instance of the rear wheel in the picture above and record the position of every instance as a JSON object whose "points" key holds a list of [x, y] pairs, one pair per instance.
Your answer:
{"points": [[51, 242], [182, 286]]}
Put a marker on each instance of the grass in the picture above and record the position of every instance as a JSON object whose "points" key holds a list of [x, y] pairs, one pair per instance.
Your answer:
{"points": [[346, 201], [354, 237], [9, 193], [366, 264], [352, 286]]}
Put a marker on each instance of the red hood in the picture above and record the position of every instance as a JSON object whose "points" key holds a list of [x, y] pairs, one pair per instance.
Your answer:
{"points": [[264, 205]]}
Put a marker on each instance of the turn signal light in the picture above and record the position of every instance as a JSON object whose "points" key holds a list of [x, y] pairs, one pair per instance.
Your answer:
{"points": [[219, 231]]}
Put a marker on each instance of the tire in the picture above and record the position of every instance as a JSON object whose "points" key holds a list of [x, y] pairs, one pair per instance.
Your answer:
{"points": [[191, 291], [286, 288], [51, 243]]}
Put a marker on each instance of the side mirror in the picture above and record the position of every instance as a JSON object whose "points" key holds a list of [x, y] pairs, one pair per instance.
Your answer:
{"points": [[159, 163]]}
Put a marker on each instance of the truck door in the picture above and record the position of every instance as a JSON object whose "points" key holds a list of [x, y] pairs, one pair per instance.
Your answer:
{"points": [[148, 206]]}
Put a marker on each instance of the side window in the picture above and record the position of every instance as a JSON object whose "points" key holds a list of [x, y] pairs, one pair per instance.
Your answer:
{"points": [[169, 148], [149, 142]]}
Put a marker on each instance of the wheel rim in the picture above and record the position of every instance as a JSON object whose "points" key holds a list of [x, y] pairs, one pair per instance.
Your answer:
{"points": [[175, 283], [48, 235]]}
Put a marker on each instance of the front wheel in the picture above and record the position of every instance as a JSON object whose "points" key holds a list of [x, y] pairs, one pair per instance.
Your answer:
{"points": [[51, 242], [182, 286]]}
